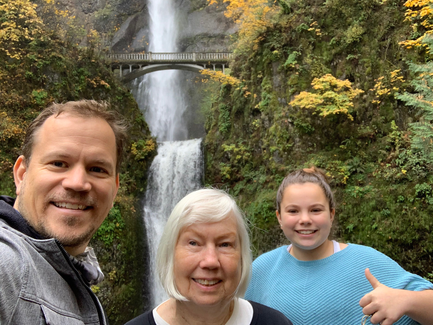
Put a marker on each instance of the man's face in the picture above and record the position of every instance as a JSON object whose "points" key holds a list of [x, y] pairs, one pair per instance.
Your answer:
{"points": [[67, 188]]}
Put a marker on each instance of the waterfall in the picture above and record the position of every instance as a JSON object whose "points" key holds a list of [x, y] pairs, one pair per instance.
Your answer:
{"points": [[175, 171], [159, 92], [178, 167]]}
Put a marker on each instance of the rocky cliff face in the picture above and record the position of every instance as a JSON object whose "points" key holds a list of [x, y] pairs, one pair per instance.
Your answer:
{"points": [[123, 24], [206, 29], [201, 29]]}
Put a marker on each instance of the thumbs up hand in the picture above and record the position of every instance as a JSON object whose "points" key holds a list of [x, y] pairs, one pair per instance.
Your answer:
{"points": [[386, 305]]}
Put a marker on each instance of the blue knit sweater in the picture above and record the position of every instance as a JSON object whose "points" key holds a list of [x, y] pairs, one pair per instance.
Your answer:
{"points": [[327, 291]]}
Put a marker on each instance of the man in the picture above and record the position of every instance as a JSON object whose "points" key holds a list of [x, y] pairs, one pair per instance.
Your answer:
{"points": [[66, 180]]}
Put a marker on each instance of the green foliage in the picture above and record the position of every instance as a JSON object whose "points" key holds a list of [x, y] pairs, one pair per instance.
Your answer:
{"points": [[424, 191], [39, 96], [143, 149], [237, 154], [224, 119], [291, 59], [422, 101], [263, 223], [386, 219], [225, 171], [358, 191], [304, 127], [345, 58], [111, 228], [285, 6], [353, 34], [262, 212]]}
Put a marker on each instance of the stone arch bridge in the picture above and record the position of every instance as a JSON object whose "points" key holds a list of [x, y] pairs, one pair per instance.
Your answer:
{"points": [[134, 65]]}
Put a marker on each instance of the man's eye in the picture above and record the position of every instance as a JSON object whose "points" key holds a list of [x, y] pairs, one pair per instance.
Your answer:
{"points": [[58, 164], [98, 170]]}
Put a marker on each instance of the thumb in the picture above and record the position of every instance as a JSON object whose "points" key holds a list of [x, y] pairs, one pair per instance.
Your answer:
{"points": [[370, 277]]}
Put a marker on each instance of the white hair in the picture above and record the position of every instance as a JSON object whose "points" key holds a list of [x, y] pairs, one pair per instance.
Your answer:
{"points": [[201, 206]]}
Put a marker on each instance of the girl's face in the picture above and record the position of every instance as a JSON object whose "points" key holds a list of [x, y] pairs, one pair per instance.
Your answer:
{"points": [[306, 219]]}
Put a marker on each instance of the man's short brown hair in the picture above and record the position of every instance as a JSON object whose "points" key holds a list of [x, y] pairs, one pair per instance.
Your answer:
{"points": [[86, 108]]}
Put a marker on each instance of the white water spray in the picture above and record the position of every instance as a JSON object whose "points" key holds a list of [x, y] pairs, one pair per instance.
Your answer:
{"points": [[178, 167]]}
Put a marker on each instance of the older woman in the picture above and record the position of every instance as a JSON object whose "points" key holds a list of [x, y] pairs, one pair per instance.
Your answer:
{"points": [[204, 264]]}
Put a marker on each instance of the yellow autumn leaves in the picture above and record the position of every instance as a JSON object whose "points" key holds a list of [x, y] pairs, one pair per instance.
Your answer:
{"points": [[251, 16], [330, 96], [420, 14], [19, 23]]}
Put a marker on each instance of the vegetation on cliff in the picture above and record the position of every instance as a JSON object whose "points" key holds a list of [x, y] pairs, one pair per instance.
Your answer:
{"points": [[37, 68], [330, 84]]}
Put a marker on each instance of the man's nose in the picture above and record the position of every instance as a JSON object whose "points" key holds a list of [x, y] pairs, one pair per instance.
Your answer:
{"points": [[77, 179]]}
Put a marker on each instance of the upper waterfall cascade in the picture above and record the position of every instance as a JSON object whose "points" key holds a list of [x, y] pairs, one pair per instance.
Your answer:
{"points": [[178, 167]]}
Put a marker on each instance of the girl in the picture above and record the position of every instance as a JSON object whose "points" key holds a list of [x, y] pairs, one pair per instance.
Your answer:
{"points": [[316, 280]]}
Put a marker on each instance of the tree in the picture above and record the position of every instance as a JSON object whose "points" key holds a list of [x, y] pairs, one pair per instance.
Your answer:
{"points": [[422, 100], [19, 25], [330, 96], [252, 16], [420, 14]]}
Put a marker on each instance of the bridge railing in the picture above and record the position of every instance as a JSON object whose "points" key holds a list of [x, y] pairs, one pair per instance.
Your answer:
{"points": [[169, 57]]}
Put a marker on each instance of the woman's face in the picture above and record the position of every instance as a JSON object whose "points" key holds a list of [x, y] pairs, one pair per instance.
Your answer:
{"points": [[207, 262], [305, 216]]}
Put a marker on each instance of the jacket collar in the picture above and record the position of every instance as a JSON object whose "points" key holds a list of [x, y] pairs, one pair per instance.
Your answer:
{"points": [[86, 263], [14, 219]]}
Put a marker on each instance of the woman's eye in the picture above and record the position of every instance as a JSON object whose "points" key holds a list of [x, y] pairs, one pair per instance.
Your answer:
{"points": [[192, 243], [225, 245], [292, 211]]}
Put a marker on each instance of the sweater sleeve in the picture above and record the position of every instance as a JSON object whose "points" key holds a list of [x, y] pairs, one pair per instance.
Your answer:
{"points": [[389, 272]]}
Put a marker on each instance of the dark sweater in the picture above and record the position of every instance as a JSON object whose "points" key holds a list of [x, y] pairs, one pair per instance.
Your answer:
{"points": [[262, 315]]}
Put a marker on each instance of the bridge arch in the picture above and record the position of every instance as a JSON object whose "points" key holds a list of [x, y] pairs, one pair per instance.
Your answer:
{"points": [[138, 64], [158, 67]]}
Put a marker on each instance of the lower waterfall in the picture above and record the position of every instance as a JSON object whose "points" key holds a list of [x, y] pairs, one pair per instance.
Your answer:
{"points": [[176, 171]]}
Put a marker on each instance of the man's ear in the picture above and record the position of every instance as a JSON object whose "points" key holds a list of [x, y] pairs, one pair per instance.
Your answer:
{"points": [[20, 169], [117, 185]]}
